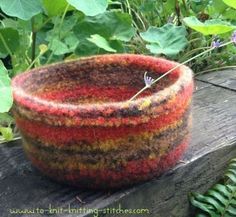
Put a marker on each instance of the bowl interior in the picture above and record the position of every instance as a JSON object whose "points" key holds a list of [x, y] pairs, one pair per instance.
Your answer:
{"points": [[93, 81]]}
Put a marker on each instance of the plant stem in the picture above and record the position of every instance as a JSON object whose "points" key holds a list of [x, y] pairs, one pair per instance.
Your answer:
{"points": [[129, 8], [59, 32], [62, 20], [192, 52], [215, 69], [185, 7], [177, 66], [193, 40], [163, 10], [177, 11], [43, 24], [34, 34], [158, 14], [27, 58], [140, 20], [2, 15], [35, 59], [146, 87]]}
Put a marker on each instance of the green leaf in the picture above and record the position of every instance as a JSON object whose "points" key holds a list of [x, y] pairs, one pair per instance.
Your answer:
{"points": [[64, 29], [168, 6], [90, 7], [168, 39], [199, 5], [23, 9], [58, 47], [6, 133], [86, 48], [6, 99], [55, 9], [218, 196], [232, 165], [202, 215], [9, 40], [231, 3], [8, 22], [223, 190], [231, 189], [218, 8], [231, 175], [233, 161], [21, 55], [117, 45], [71, 41], [112, 26], [195, 200], [210, 27], [147, 6], [232, 210], [214, 202], [66, 41], [220, 200], [101, 42], [5, 119]]}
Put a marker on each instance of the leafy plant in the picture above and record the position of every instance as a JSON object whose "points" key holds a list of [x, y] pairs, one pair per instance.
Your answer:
{"points": [[90, 7], [162, 41], [111, 28], [34, 33], [22, 9], [9, 41], [101, 42], [5, 90], [231, 3], [55, 9], [6, 127], [220, 200], [149, 81], [209, 27]]}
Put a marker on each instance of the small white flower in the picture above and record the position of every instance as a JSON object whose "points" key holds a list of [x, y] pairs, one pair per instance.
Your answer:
{"points": [[148, 80]]}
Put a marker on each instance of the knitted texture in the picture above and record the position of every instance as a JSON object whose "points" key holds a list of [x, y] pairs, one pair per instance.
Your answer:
{"points": [[79, 127]]}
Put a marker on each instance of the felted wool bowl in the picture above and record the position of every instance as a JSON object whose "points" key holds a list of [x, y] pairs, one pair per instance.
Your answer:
{"points": [[79, 127]]}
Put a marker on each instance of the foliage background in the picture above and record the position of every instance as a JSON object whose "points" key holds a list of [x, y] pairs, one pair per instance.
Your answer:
{"points": [[39, 32]]}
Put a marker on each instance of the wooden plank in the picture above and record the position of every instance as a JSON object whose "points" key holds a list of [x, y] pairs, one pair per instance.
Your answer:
{"points": [[226, 78], [22, 186], [167, 196], [213, 144]]}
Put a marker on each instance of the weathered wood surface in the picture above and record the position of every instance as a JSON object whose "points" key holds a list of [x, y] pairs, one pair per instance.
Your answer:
{"points": [[227, 80], [213, 144]]}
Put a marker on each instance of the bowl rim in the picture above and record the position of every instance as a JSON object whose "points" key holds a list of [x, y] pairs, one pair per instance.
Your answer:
{"points": [[185, 75]]}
